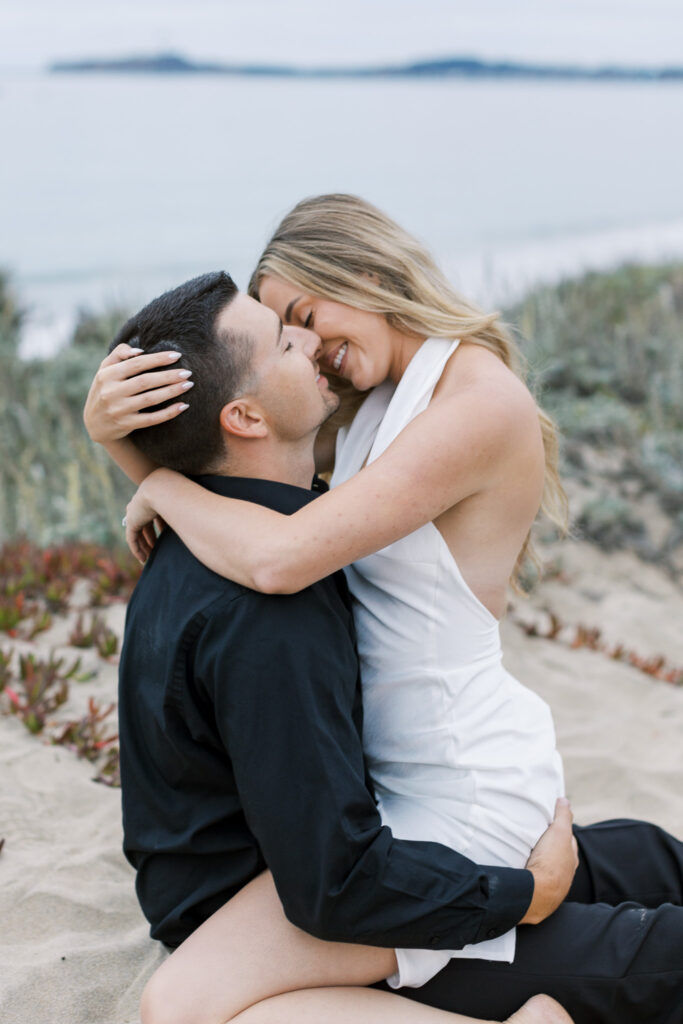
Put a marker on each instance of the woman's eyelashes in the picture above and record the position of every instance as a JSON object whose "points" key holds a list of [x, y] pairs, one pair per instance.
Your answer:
{"points": [[308, 322], [288, 346]]}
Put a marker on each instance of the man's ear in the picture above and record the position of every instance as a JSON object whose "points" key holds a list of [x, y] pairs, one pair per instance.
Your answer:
{"points": [[243, 418]]}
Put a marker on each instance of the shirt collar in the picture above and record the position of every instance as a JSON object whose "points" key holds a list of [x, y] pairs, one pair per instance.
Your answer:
{"points": [[285, 498]]}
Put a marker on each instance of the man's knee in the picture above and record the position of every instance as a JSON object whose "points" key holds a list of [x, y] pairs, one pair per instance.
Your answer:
{"points": [[623, 860]]}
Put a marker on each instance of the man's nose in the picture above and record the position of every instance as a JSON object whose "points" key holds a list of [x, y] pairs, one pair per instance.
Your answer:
{"points": [[312, 345]]}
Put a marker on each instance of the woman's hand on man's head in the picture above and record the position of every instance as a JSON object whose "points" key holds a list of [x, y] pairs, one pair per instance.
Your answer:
{"points": [[126, 384]]}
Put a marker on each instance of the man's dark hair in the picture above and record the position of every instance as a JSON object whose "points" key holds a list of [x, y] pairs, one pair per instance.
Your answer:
{"points": [[184, 319]]}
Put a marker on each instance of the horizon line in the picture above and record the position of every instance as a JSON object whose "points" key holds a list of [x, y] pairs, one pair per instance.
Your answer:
{"points": [[171, 62]]}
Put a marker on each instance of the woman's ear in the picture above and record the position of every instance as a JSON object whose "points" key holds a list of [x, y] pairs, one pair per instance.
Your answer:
{"points": [[243, 418]]}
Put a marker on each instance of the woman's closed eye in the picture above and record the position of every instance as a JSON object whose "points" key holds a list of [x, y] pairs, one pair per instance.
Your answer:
{"points": [[308, 322]]}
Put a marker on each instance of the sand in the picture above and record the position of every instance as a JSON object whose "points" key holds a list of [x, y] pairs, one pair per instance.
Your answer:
{"points": [[74, 947]]}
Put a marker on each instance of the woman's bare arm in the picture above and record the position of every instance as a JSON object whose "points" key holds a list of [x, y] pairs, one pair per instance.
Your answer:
{"points": [[130, 459], [456, 448]]}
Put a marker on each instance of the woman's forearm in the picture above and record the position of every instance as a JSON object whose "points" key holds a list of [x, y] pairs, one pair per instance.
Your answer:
{"points": [[394, 495], [256, 546], [238, 539], [130, 459]]}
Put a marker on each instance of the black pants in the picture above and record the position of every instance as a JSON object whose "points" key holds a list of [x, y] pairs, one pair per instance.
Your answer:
{"points": [[611, 954]]}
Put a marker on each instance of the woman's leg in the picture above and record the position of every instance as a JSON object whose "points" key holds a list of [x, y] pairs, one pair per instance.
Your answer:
{"points": [[370, 1006], [248, 952]]}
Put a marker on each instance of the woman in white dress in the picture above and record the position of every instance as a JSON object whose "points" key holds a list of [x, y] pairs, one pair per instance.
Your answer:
{"points": [[438, 477]]}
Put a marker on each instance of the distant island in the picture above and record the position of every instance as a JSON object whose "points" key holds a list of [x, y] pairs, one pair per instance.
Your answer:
{"points": [[450, 67]]}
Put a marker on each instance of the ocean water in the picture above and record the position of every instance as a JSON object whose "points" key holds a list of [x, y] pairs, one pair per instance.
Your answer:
{"points": [[113, 188]]}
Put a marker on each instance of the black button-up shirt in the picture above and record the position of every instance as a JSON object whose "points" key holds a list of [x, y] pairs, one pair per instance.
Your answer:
{"points": [[240, 731]]}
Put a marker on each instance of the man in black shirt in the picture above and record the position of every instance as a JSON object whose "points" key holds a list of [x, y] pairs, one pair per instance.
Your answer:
{"points": [[240, 712]]}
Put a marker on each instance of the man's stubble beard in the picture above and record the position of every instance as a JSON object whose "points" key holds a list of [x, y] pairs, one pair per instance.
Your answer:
{"points": [[331, 403]]}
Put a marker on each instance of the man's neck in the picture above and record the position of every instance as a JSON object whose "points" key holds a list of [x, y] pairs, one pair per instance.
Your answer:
{"points": [[278, 463]]}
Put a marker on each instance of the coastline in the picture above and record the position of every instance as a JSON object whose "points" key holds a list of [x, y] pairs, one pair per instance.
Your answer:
{"points": [[494, 275], [443, 67], [501, 274]]}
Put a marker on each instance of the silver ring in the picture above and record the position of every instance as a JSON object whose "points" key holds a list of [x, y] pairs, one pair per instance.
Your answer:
{"points": [[123, 522]]}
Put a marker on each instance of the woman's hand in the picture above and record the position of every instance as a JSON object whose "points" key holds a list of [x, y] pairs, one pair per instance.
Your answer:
{"points": [[141, 518], [124, 387]]}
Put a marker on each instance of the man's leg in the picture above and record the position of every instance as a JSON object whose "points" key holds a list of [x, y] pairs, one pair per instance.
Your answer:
{"points": [[624, 860], [602, 954], [604, 965]]}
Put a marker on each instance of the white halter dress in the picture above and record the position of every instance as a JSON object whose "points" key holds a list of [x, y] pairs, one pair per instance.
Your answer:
{"points": [[459, 751]]}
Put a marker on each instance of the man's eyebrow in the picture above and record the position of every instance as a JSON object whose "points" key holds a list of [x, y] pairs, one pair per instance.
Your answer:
{"points": [[290, 307]]}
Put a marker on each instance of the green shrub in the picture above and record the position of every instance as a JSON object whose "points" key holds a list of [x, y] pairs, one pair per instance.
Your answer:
{"points": [[605, 353], [56, 483]]}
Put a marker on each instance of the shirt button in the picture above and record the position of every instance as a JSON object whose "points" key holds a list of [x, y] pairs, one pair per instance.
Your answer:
{"points": [[491, 933], [435, 939]]}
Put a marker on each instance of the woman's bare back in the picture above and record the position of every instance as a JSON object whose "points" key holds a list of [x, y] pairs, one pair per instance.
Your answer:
{"points": [[486, 531]]}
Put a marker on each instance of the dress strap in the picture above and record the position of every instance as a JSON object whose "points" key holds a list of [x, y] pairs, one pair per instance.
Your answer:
{"points": [[355, 440], [414, 390]]}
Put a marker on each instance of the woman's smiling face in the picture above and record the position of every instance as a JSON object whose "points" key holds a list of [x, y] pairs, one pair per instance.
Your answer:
{"points": [[357, 345]]}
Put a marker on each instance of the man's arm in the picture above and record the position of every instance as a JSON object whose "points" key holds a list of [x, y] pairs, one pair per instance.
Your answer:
{"points": [[281, 673]]}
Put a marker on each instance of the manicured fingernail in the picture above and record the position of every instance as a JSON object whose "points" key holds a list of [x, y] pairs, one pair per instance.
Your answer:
{"points": [[188, 384], [136, 351], [183, 406], [172, 356], [184, 374]]}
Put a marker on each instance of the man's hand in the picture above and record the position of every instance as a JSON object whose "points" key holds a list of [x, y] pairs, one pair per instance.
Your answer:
{"points": [[553, 863]]}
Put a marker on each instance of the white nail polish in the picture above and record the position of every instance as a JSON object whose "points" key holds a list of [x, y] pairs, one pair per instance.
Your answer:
{"points": [[183, 406], [172, 356], [184, 374], [136, 351], [188, 384]]}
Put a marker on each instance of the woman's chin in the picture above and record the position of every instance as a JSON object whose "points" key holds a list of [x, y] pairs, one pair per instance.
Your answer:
{"points": [[363, 381]]}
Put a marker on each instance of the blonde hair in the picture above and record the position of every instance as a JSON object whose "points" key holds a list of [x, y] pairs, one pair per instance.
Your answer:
{"points": [[343, 248]]}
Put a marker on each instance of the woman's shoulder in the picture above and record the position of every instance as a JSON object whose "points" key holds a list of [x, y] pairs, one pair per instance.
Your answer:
{"points": [[477, 379]]}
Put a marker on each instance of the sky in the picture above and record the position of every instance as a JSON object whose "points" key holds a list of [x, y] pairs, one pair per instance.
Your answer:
{"points": [[313, 32]]}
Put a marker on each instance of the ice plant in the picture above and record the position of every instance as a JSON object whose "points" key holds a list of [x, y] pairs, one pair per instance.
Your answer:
{"points": [[43, 687], [110, 772], [591, 638], [97, 634], [86, 736]]}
